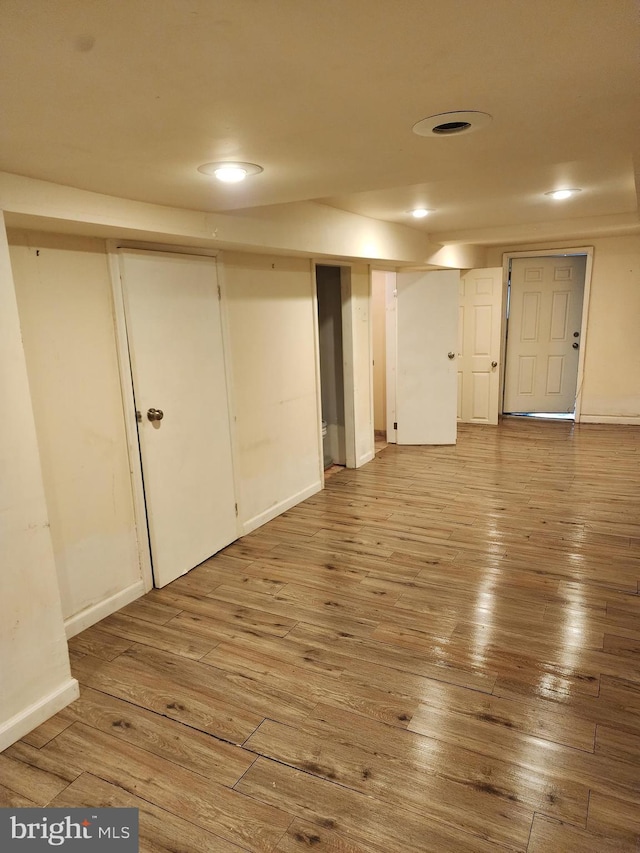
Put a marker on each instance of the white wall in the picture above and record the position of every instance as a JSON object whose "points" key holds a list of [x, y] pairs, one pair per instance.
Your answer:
{"points": [[35, 681], [611, 387], [612, 360], [272, 352], [64, 296], [64, 300], [459, 256], [379, 333], [363, 361], [329, 290], [309, 227]]}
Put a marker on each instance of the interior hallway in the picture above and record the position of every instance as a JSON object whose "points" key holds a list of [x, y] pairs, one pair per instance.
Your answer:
{"points": [[439, 652]]}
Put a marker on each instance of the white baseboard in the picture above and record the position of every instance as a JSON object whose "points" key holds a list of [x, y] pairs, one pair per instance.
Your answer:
{"points": [[90, 615], [35, 714], [609, 419], [279, 508], [367, 457]]}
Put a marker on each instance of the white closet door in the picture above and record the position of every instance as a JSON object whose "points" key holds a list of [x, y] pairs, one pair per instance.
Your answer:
{"points": [[479, 346], [173, 325], [426, 391]]}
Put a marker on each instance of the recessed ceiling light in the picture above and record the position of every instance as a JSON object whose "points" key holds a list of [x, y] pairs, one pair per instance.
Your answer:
{"points": [[420, 212], [559, 195], [230, 173], [452, 124]]}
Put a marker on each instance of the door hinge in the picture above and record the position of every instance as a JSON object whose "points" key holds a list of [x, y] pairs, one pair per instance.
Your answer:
{"points": [[236, 506], [219, 294], [395, 424]]}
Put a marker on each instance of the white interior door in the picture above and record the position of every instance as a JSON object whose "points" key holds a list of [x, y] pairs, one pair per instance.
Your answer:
{"points": [[391, 345], [479, 338], [545, 314], [426, 387], [173, 326]]}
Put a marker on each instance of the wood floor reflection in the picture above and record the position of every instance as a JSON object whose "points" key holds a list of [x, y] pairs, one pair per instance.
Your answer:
{"points": [[439, 652]]}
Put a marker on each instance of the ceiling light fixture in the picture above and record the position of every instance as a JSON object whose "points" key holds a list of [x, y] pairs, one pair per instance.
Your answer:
{"points": [[451, 124], [559, 195], [420, 212], [231, 172]]}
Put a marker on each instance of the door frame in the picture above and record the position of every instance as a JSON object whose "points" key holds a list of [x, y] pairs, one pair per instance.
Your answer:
{"points": [[563, 252], [348, 359], [127, 390]]}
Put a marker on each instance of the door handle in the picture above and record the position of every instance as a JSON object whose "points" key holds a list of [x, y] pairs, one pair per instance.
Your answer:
{"points": [[451, 354], [155, 414], [575, 346], [494, 364]]}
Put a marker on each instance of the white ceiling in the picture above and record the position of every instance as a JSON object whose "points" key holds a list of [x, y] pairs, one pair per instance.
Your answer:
{"points": [[129, 97]]}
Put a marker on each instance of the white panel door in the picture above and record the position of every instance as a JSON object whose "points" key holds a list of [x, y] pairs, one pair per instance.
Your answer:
{"points": [[545, 315], [479, 345], [173, 326], [426, 387], [391, 335]]}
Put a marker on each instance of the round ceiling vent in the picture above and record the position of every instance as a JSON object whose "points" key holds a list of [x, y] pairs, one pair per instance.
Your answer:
{"points": [[452, 124]]}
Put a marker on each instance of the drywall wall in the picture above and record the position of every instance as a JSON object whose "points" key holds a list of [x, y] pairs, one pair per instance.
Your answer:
{"points": [[305, 227], [459, 256], [64, 299], [271, 349], [611, 383], [611, 386], [35, 681], [378, 327], [329, 289], [362, 363]]}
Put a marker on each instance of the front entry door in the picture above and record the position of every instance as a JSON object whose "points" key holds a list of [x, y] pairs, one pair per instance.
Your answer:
{"points": [[177, 363], [427, 326], [543, 343], [479, 346]]}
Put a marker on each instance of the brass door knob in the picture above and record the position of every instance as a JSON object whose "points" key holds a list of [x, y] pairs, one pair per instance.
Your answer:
{"points": [[155, 414], [494, 364], [451, 354]]}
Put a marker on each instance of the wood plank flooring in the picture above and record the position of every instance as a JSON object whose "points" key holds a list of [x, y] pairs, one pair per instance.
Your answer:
{"points": [[439, 652]]}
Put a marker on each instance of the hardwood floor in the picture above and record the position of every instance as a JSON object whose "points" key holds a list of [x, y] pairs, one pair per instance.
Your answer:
{"points": [[439, 652]]}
